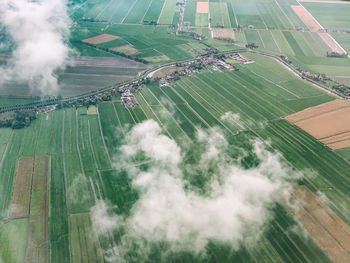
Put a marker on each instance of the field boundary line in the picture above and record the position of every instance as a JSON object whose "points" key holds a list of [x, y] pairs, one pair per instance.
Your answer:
{"points": [[102, 11], [215, 108], [262, 19], [64, 163], [131, 8], [30, 206], [322, 178], [309, 14], [286, 232], [278, 85], [262, 41], [239, 99], [6, 148], [239, 79], [150, 3], [103, 138], [171, 115], [317, 222], [117, 116], [77, 143], [234, 13], [222, 17], [335, 41], [249, 118], [299, 139], [274, 40], [290, 21], [307, 43], [161, 12], [180, 111], [327, 161], [161, 123], [131, 115], [93, 155], [218, 120], [112, 15], [136, 117], [191, 109]]}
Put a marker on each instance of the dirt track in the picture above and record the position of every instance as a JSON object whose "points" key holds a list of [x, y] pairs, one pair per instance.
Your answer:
{"points": [[323, 225], [328, 122]]}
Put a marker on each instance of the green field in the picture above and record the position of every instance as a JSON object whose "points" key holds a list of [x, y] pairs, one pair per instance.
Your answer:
{"points": [[345, 153], [190, 12], [150, 42], [336, 17], [84, 241], [168, 11], [13, 238], [258, 95], [219, 14]]}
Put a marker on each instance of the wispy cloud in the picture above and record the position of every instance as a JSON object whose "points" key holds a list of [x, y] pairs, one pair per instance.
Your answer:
{"points": [[173, 208], [40, 31]]}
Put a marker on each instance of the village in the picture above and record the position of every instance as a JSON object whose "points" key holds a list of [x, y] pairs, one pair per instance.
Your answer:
{"points": [[163, 76]]}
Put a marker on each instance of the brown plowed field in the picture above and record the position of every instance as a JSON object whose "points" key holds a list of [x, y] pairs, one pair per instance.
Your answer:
{"points": [[21, 190], [203, 7], [322, 224], [224, 33], [307, 18], [328, 122], [100, 39], [37, 249]]}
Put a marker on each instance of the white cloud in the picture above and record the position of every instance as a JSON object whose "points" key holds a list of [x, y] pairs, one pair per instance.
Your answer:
{"points": [[39, 30], [233, 209]]}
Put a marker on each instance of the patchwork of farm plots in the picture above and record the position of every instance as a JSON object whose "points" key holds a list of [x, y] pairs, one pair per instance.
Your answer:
{"points": [[82, 148], [274, 26], [271, 14], [128, 12], [154, 45]]}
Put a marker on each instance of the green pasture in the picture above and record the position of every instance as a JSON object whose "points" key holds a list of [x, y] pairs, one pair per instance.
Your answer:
{"points": [[336, 17]]}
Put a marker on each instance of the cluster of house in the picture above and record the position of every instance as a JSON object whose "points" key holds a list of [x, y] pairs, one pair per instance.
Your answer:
{"points": [[286, 59], [216, 62], [239, 57], [91, 99], [129, 100], [187, 68], [219, 64], [47, 109], [107, 95], [342, 89], [313, 76]]}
